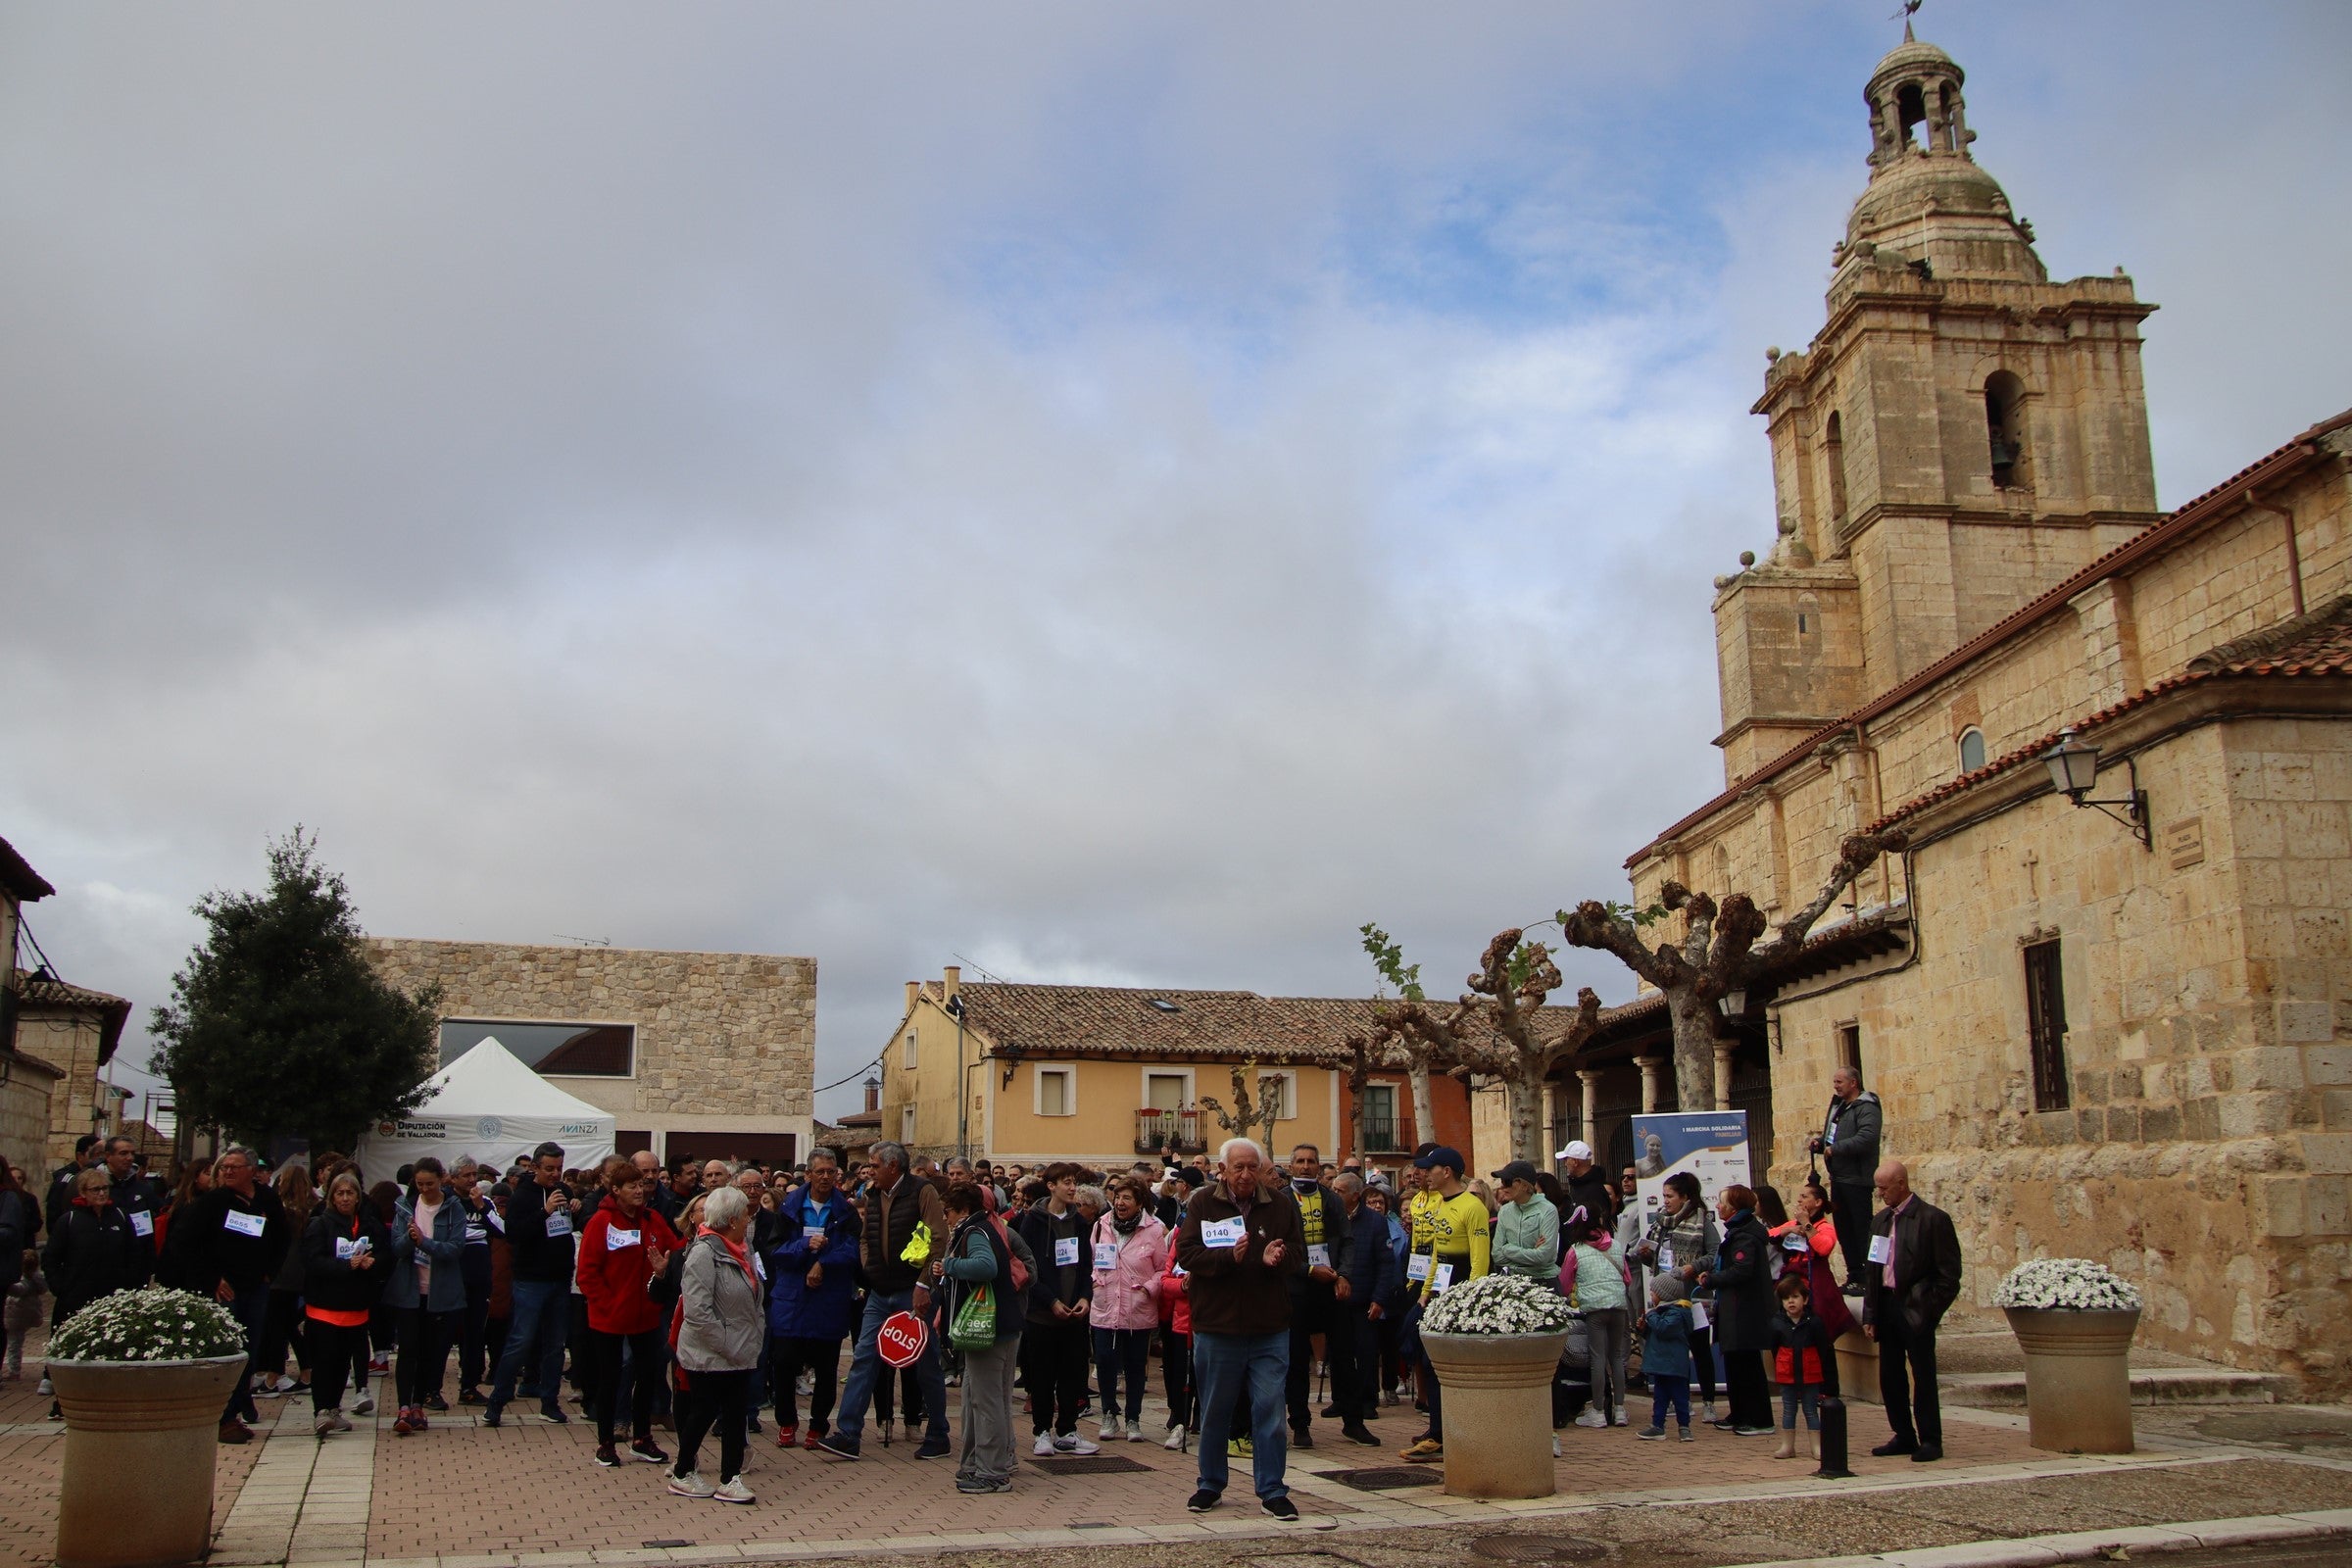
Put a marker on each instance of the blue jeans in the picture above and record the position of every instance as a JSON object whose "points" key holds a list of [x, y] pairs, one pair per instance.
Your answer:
{"points": [[252, 1309], [1225, 1368], [542, 1319], [867, 1369]]}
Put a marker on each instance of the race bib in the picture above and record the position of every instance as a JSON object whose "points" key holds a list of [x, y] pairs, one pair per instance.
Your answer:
{"points": [[1441, 1277], [616, 1239], [243, 1224], [1105, 1261], [1066, 1251], [477, 1234], [1223, 1232], [1416, 1267], [1882, 1249], [348, 1247], [1699, 1316], [496, 1221], [1319, 1254], [559, 1224], [1665, 1258], [142, 1224]]}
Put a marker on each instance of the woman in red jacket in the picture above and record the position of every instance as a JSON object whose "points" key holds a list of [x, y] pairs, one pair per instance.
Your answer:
{"points": [[625, 1245]]}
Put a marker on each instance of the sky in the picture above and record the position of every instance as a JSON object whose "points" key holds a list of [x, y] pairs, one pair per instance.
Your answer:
{"points": [[1109, 494]]}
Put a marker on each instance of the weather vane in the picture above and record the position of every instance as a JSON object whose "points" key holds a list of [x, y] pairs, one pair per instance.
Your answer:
{"points": [[1905, 16]]}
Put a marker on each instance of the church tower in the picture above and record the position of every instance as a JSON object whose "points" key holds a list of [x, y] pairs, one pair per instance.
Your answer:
{"points": [[1962, 435]]}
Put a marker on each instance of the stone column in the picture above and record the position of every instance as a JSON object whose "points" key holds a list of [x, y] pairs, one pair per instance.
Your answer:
{"points": [[1591, 1077], [1723, 1075], [1552, 1112], [1650, 1066]]}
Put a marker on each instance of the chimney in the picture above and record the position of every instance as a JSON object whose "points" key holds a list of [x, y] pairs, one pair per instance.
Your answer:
{"points": [[953, 985], [873, 1094], [911, 989]]}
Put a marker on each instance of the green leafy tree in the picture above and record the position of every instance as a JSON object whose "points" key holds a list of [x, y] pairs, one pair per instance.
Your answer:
{"points": [[279, 1024]]}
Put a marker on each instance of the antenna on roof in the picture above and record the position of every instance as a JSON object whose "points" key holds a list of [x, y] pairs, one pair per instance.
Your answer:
{"points": [[586, 942], [977, 969]]}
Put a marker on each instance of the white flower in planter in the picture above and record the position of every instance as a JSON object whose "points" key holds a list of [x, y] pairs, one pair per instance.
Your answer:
{"points": [[2068, 1284], [139, 1326], [1499, 1303]]}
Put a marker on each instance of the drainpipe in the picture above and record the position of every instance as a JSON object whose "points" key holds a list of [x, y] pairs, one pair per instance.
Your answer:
{"points": [[2294, 551]]}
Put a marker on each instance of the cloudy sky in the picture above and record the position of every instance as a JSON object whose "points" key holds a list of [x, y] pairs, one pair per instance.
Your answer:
{"points": [[1122, 493]]}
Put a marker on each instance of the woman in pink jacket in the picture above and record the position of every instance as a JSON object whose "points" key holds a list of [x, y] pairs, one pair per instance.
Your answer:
{"points": [[1130, 1245]]}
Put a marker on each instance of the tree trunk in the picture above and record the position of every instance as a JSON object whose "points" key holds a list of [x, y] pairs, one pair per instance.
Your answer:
{"points": [[1694, 1049], [1356, 1119], [1425, 1111], [1529, 1135]]}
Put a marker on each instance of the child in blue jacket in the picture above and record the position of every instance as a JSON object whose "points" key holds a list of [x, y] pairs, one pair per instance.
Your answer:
{"points": [[1666, 1355]]}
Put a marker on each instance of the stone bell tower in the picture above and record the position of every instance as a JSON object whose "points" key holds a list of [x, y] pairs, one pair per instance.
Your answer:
{"points": [[1961, 434]]}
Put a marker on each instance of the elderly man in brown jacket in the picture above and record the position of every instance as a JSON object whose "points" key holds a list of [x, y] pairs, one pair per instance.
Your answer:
{"points": [[1241, 1245]]}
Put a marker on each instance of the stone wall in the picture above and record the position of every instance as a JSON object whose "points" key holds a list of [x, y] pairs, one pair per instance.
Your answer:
{"points": [[70, 1043], [25, 1126], [724, 1040]]}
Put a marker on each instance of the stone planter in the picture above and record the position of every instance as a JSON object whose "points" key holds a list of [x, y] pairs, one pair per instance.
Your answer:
{"points": [[140, 1435], [2078, 1377], [1497, 1411]]}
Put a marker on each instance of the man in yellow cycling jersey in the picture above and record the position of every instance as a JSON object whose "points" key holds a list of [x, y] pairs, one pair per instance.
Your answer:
{"points": [[1457, 1229]]}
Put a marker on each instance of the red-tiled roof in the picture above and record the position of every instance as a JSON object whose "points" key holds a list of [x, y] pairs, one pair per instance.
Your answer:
{"points": [[2185, 521], [18, 876], [2318, 644], [112, 1012]]}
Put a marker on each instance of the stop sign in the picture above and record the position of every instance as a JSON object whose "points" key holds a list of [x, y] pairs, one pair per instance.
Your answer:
{"points": [[902, 1338]]}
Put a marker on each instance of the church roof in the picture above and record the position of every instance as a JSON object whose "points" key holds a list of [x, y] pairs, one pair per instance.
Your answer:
{"points": [[2183, 525]]}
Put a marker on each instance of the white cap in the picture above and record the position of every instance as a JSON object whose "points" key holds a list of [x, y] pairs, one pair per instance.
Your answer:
{"points": [[1577, 1148]]}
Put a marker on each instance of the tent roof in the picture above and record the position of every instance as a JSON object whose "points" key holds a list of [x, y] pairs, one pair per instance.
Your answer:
{"points": [[491, 1080]]}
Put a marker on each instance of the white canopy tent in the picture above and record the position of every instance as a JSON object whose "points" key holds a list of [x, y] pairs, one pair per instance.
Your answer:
{"points": [[488, 1105]]}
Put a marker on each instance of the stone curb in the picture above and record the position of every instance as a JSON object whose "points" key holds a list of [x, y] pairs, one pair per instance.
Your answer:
{"points": [[2031, 1551]]}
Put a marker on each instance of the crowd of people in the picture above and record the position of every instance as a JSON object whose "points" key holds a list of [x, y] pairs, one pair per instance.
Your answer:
{"points": [[690, 1299]]}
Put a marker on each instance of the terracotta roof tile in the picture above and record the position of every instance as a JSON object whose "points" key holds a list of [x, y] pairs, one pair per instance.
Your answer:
{"points": [[2183, 522], [19, 877], [113, 1011]]}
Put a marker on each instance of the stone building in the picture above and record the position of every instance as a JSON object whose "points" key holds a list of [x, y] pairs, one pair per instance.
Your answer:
{"points": [[695, 1054], [55, 1039], [1106, 1075], [2112, 1024]]}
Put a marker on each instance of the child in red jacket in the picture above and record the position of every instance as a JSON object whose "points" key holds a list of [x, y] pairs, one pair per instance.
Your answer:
{"points": [[1801, 1360]]}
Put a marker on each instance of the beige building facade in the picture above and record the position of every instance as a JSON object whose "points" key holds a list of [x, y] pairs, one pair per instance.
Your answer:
{"points": [[699, 1053], [2122, 1029]]}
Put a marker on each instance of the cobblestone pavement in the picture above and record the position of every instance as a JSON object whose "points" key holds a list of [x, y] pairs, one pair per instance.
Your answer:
{"points": [[529, 1495]]}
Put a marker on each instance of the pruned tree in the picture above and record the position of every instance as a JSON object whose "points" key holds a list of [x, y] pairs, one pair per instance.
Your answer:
{"points": [[1252, 1116], [1496, 1030], [279, 1023], [1717, 953]]}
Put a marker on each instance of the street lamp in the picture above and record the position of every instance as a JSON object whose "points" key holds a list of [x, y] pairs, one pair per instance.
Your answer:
{"points": [[1733, 1003], [2074, 765]]}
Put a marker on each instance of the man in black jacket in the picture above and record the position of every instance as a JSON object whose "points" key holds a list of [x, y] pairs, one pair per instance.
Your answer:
{"points": [[139, 1197], [1914, 1278], [539, 1237], [1373, 1280], [1848, 1141], [1317, 1294], [238, 1233], [62, 1180]]}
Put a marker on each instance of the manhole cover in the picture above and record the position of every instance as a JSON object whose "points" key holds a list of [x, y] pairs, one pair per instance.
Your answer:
{"points": [[1095, 1464], [1539, 1549], [1388, 1479]]}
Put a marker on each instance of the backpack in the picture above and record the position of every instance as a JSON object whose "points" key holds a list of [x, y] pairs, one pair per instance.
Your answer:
{"points": [[1021, 1270]]}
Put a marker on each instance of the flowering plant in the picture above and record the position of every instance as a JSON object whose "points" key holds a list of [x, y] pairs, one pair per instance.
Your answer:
{"points": [[2074, 1284], [154, 1323], [1499, 1303]]}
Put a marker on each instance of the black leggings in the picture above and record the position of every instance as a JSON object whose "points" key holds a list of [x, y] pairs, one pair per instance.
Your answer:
{"points": [[1055, 1352], [283, 1332], [334, 1349], [719, 1400], [1702, 1360], [645, 1369], [1751, 1393], [822, 1358], [1176, 1377], [424, 1338]]}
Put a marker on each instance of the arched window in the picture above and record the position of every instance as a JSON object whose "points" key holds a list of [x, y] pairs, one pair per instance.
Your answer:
{"points": [[1911, 110], [1833, 451], [2005, 428], [1971, 750]]}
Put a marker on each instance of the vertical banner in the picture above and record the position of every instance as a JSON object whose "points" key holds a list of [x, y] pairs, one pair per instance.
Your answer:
{"points": [[1711, 1145]]}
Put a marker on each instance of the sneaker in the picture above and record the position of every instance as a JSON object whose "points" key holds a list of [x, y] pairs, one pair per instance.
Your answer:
{"points": [[1426, 1451], [690, 1484], [1687, 1435], [324, 1426], [1075, 1444], [490, 1413], [1751, 1431], [1707, 1414], [1136, 1432], [1302, 1438], [1239, 1449], [1044, 1445], [734, 1491], [234, 1429], [839, 1447], [342, 1422], [1555, 1445], [814, 1438], [380, 1363], [365, 1405], [1650, 1434], [786, 1437], [608, 1457], [750, 1425], [400, 1425], [1280, 1508], [280, 1384], [1387, 1397], [472, 1397], [1358, 1432], [1110, 1431], [1201, 1501], [1590, 1418], [647, 1449], [1176, 1439], [1621, 1421], [42, 1387], [437, 1404], [554, 1416], [416, 1419], [932, 1448]]}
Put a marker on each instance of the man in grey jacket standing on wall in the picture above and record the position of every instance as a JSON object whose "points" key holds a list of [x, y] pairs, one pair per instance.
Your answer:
{"points": [[1849, 1143]]}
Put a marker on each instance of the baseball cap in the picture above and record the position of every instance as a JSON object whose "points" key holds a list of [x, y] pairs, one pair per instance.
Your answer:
{"points": [[1577, 1148], [1518, 1170], [1440, 1154]]}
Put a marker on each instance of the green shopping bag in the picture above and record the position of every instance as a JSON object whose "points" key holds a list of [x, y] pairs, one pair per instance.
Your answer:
{"points": [[974, 1326]]}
